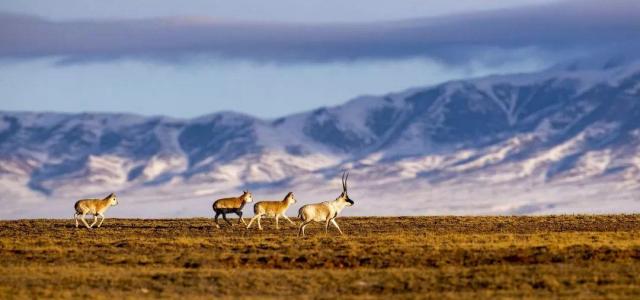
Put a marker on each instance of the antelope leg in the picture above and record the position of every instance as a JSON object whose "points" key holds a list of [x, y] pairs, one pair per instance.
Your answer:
{"points": [[224, 216], [239, 213], [252, 219], [287, 218], [259, 225], [84, 220], [95, 220], [326, 226], [302, 226], [216, 218], [101, 220], [333, 221]]}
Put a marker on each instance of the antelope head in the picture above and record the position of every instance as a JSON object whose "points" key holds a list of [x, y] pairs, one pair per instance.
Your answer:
{"points": [[289, 198], [246, 196], [344, 196], [113, 201]]}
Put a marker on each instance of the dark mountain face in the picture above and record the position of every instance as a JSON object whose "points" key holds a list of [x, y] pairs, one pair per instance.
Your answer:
{"points": [[216, 138], [326, 128]]}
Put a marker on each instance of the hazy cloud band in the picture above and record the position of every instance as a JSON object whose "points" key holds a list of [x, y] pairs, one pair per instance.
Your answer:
{"points": [[575, 25]]}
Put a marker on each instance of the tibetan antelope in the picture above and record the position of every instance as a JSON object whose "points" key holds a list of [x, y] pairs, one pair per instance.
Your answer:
{"points": [[96, 207], [272, 209], [326, 211], [231, 205]]}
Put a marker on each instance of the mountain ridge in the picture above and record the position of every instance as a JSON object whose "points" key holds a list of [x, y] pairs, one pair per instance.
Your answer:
{"points": [[555, 129]]}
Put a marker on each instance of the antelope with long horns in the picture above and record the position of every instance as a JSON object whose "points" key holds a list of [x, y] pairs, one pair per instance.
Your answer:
{"points": [[231, 205], [95, 207], [326, 211], [274, 209]]}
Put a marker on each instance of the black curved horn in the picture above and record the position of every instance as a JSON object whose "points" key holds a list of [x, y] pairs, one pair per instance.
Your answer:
{"points": [[344, 184], [345, 181]]}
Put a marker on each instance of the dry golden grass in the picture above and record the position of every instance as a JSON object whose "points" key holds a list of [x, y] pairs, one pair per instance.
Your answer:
{"points": [[408, 257]]}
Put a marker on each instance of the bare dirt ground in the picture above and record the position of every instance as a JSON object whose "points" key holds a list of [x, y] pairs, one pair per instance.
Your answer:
{"points": [[407, 257]]}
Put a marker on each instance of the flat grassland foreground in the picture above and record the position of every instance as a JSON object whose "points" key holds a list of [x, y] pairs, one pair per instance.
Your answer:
{"points": [[411, 257]]}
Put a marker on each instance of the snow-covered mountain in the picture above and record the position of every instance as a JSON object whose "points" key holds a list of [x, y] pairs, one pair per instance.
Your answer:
{"points": [[563, 140]]}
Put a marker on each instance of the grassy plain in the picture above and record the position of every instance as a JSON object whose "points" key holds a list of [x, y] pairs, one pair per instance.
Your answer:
{"points": [[408, 257]]}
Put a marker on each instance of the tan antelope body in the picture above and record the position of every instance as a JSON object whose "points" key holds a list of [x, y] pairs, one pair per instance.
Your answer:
{"points": [[95, 207], [231, 205], [274, 209], [326, 211]]}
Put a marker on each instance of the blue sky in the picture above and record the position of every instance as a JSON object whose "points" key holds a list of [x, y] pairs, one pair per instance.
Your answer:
{"points": [[272, 58], [275, 10]]}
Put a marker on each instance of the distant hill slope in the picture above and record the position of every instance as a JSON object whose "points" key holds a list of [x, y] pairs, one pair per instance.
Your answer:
{"points": [[562, 140]]}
